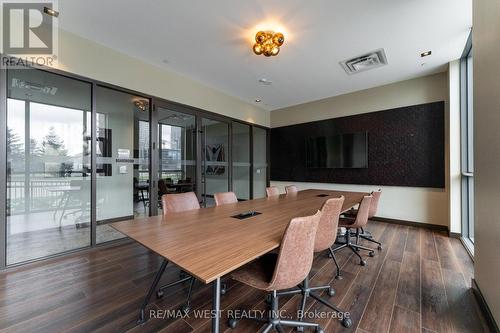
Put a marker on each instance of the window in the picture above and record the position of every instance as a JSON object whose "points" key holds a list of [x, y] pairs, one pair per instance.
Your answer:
{"points": [[467, 163]]}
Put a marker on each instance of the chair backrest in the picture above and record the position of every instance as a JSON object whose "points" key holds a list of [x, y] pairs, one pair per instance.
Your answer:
{"points": [[374, 205], [223, 198], [272, 191], [162, 186], [296, 253], [328, 224], [291, 189], [363, 210], [179, 202]]}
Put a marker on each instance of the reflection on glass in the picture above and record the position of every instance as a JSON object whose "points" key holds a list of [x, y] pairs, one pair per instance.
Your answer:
{"points": [[122, 164], [215, 173], [48, 165], [259, 162], [241, 160], [177, 153]]}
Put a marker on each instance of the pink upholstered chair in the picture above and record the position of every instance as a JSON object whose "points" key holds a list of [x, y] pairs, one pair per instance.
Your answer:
{"points": [[324, 240], [356, 223], [272, 191], [290, 189], [285, 270], [224, 198], [177, 203], [361, 233]]}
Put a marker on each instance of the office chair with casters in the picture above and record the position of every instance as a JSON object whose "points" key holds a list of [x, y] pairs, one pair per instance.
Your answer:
{"points": [[359, 222], [290, 189], [224, 198], [176, 203], [361, 233], [272, 191], [273, 272], [325, 238]]}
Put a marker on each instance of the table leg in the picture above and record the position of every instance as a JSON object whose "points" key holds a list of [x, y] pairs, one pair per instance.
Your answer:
{"points": [[143, 198], [216, 306], [67, 195], [59, 204], [142, 311]]}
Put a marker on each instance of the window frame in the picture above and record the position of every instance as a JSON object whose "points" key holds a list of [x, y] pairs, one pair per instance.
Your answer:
{"points": [[466, 143]]}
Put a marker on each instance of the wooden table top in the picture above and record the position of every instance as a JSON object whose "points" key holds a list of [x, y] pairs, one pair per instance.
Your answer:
{"points": [[209, 243]]}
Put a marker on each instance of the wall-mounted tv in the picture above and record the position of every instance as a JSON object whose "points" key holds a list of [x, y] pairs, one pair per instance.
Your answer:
{"points": [[338, 151]]}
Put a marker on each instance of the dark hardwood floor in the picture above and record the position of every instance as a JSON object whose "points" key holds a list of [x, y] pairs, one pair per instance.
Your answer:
{"points": [[419, 282]]}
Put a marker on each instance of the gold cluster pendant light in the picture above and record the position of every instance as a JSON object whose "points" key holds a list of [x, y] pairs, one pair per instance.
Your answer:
{"points": [[268, 43]]}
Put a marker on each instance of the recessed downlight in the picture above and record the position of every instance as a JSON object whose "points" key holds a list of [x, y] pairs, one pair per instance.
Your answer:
{"points": [[265, 81], [50, 11], [258, 100], [425, 54]]}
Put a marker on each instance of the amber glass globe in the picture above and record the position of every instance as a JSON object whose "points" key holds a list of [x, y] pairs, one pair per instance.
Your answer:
{"points": [[260, 37], [278, 39], [258, 49]]}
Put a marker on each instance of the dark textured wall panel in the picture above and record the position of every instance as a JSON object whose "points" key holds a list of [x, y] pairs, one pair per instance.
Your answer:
{"points": [[405, 148]]}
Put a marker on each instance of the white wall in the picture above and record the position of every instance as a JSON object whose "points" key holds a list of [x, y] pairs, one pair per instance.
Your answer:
{"points": [[486, 73], [410, 203], [86, 58], [424, 205], [417, 91]]}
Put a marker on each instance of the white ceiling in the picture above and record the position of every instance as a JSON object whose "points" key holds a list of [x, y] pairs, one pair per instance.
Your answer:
{"points": [[210, 41]]}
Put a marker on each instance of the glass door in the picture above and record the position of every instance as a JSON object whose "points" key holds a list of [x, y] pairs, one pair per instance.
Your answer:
{"points": [[214, 159], [241, 160], [259, 162], [122, 160], [176, 152]]}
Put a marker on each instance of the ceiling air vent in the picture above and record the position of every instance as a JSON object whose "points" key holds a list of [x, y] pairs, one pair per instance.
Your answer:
{"points": [[365, 62]]}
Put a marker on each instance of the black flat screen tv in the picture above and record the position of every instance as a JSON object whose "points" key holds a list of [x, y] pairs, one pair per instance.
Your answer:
{"points": [[338, 151]]}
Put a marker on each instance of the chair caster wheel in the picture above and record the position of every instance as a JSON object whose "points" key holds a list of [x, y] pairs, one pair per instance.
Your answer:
{"points": [[362, 263], [371, 254], [232, 323], [300, 329], [331, 292], [159, 294], [223, 289], [347, 322], [379, 247], [185, 309], [338, 277], [319, 330]]}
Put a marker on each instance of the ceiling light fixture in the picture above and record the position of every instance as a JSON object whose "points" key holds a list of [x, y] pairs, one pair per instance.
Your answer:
{"points": [[258, 100], [425, 54], [141, 105], [265, 81], [50, 11], [268, 43]]}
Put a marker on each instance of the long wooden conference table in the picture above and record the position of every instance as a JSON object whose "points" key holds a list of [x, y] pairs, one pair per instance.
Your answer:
{"points": [[209, 243]]}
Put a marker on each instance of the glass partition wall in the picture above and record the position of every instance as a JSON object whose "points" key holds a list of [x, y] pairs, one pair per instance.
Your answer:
{"points": [[48, 165], [241, 157], [176, 153], [81, 154], [214, 159], [122, 159]]}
